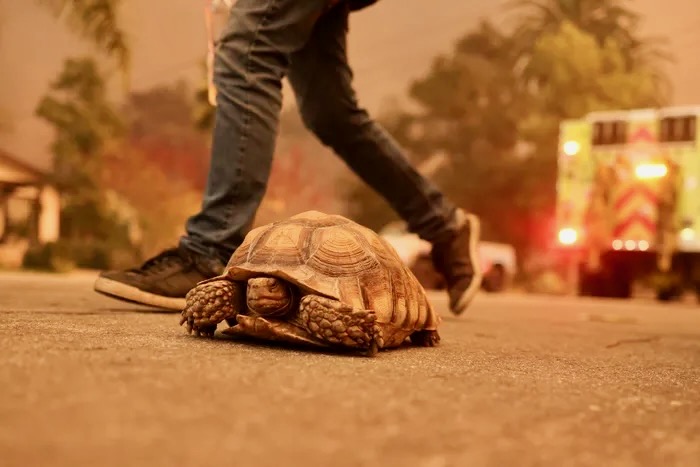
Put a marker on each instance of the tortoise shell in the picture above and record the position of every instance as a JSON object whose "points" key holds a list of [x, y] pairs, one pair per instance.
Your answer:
{"points": [[332, 256]]}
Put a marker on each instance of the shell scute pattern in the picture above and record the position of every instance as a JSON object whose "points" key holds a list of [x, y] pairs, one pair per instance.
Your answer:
{"points": [[338, 251]]}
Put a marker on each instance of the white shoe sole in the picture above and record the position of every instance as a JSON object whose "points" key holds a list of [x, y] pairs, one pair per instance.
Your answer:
{"points": [[130, 293], [469, 294]]}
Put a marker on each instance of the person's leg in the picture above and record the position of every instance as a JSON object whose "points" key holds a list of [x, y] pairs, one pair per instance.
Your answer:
{"points": [[252, 57], [322, 82]]}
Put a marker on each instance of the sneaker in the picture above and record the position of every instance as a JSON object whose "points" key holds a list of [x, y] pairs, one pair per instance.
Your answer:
{"points": [[163, 281], [458, 260]]}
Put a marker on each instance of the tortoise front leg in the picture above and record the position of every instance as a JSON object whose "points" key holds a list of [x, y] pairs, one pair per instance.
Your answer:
{"points": [[211, 302], [339, 324]]}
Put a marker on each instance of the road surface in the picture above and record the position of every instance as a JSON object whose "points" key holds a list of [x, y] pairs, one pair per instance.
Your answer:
{"points": [[520, 380]]}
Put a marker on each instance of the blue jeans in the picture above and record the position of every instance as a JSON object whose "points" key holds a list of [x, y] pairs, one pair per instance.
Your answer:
{"points": [[264, 41]]}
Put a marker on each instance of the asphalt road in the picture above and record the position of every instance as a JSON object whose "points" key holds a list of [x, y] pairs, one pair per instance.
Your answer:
{"points": [[521, 380]]}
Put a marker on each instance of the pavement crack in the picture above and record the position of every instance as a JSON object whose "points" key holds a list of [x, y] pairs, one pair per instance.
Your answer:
{"points": [[641, 340]]}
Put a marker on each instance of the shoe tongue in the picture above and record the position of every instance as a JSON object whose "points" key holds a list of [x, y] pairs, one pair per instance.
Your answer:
{"points": [[162, 256], [209, 265]]}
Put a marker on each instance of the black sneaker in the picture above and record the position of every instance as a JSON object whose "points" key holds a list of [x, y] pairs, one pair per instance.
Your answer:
{"points": [[458, 261], [163, 281]]}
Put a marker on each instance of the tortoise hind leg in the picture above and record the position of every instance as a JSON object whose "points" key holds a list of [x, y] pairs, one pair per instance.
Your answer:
{"points": [[425, 338], [339, 324]]}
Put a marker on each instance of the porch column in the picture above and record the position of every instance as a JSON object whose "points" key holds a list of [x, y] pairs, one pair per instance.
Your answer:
{"points": [[4, 212], [48, 215]]}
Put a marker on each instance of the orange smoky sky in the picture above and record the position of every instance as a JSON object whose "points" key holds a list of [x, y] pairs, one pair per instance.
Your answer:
{"points": [[390, 44]]}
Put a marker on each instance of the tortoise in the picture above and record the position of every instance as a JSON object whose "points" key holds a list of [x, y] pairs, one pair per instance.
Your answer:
{"points": [[315, 279]]}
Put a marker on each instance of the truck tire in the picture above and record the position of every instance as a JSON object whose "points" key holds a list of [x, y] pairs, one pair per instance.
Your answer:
{"points": [[669, 293], [591, 284], [495, 279], [609, 282], [621, 287]]}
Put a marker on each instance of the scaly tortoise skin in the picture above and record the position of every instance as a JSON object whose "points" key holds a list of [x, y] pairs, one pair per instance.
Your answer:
{"points": [[315, 279]]}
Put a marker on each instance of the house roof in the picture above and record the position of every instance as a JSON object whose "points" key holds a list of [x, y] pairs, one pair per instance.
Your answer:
{"points": [[18, 168]]}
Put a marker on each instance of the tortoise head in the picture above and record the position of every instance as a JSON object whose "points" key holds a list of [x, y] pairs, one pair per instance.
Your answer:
{"points": [[269, 296]]}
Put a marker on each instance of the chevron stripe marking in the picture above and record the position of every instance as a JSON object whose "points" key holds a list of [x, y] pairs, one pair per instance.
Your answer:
{"points": [[643, 190], [635, 218]]}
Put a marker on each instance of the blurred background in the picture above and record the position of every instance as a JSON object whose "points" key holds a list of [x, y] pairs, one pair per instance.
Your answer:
{"points": [[105, 127]]}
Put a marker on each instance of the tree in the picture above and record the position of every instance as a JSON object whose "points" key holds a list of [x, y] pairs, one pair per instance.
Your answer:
{"points": [[160, 124], [77, 107], [604, 20], [595, 78], [96, 21], [156, 204], [499, 131], [85, 124], [159, 168], [468, 109]]}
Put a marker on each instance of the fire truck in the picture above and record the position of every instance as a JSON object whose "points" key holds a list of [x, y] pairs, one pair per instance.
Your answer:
{"points": [[628, 201]]}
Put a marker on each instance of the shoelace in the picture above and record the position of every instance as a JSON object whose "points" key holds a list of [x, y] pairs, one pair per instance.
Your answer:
{"points": [[163, 260]]}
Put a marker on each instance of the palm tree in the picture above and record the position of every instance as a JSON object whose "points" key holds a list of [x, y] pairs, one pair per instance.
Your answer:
{"points": [[603, 19], [95, 20]]}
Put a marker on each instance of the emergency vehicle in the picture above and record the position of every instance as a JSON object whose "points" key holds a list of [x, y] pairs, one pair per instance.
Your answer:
{"points": [[628, 200]]}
